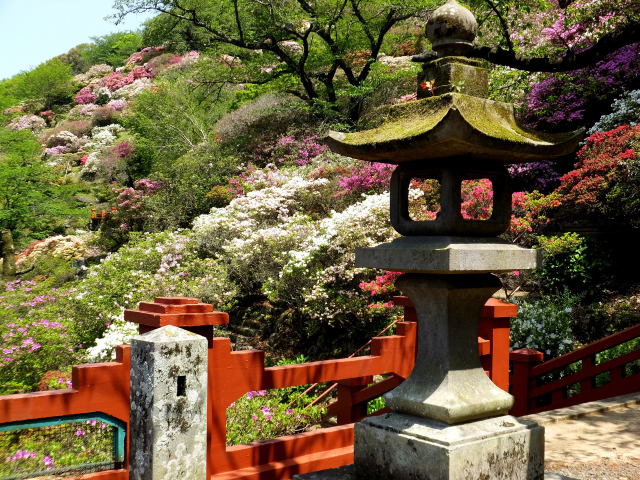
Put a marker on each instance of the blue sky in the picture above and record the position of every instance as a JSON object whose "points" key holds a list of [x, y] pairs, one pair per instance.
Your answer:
{"points": [[32, 31]]}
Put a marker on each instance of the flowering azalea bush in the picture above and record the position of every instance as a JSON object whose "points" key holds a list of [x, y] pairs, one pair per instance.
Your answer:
{"points": [[27, 122], [31, 341], [117, 80], [144, 55], [366, 177], [568, 100], [26, 450], [290, 149], [130, 216], [625, 111], [68, 247], [264, 414], [84, 96], [545, 324], [604, 183], [282, 240]]}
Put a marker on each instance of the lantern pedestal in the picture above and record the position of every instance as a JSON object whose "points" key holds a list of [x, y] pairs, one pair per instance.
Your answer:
{"points": [[401, 447], [449, 420]]}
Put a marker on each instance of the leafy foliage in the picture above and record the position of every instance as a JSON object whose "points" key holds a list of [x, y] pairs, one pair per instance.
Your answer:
{"points": [[174, 118], [50, 82], [112, 49], [28, 192], [545, 324]]}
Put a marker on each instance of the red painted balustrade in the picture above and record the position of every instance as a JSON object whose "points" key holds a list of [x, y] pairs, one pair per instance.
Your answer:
{"points": [[98, 387], [105, 388], [575, 377]]}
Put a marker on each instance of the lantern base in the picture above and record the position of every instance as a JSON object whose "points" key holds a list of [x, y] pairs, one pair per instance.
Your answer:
{"points": [[403, 446]]}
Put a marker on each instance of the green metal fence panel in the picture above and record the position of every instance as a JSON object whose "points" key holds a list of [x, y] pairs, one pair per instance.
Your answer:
{"points": [[59, 446]]}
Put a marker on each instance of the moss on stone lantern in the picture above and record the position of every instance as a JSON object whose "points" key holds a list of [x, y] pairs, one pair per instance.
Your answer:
{"points": [[454, 135], [458, 120]]}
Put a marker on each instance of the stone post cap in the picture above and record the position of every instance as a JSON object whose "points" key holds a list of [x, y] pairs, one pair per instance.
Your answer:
{"points": [[176, 311]]}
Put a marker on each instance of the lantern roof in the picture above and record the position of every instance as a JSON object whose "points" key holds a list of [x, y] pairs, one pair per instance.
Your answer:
{"points": [[450, 125], [452, 118]]}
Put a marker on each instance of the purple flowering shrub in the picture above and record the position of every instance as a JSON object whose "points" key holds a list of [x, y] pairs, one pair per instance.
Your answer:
{"points": [[289, 150], [542, 176], [264, 414], [568, 100], [31, 341]]}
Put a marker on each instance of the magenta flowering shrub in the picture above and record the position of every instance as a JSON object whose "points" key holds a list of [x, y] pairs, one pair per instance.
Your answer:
{"points": [[117, 80], [366, 177], [85, 96], [290, 150], [144, 55], [477, 199], [130, 200], [382, 286]]}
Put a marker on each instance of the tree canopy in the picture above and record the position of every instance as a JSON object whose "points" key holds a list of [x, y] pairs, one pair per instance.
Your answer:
{"points": [[324, 45]]}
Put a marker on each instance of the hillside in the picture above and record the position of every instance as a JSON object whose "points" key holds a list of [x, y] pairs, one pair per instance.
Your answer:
{"points": [[209, 186]]}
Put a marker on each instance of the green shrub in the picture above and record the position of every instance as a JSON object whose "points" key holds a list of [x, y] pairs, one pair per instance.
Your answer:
{"points": [[611, 314], [571, 262], [104, 116], [112, 49], [174, 117], [50, 82], [187, 184], [261, 120], [262, 415]]}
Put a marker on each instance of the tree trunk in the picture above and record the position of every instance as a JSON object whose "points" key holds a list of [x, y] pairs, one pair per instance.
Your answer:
{"points": [[8, 255]]}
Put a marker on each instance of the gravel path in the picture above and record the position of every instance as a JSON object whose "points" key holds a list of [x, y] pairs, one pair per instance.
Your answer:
{"points": [[595, 445]]}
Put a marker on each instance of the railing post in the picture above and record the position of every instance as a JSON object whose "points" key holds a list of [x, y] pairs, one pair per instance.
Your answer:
{"points": [[346, 410], [168, 420], [523, 359], [495, 326], [187, 313]]}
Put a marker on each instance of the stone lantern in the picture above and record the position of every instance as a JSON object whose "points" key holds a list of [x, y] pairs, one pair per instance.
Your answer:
{"points": [[448, 420]]}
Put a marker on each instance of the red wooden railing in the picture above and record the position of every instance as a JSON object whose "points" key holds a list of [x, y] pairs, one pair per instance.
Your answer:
{"points": [[99, 387], [105, 388], [539, 387]]}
